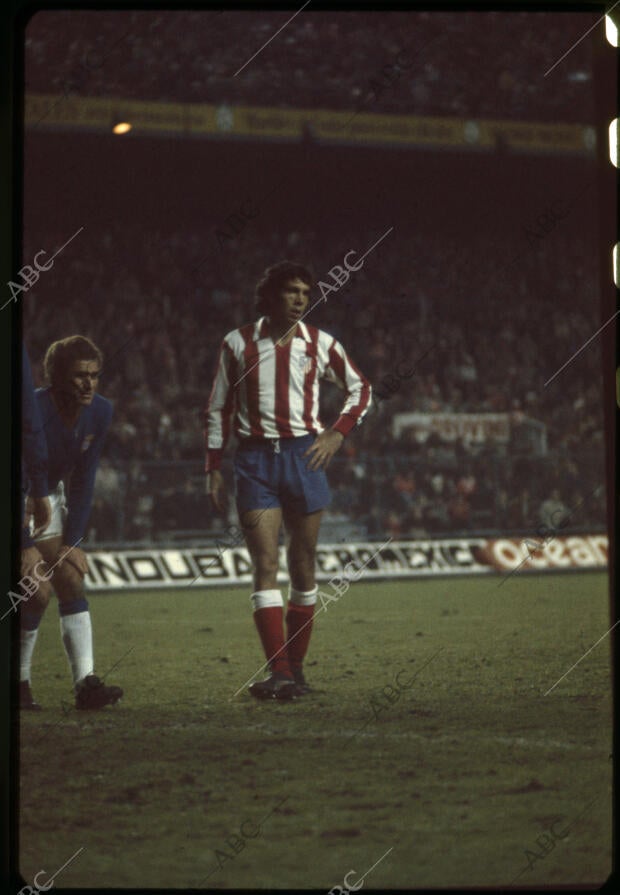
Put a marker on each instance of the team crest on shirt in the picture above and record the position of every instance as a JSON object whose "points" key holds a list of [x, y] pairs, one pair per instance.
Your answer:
{"points": [[87, 443], [305, 364]]}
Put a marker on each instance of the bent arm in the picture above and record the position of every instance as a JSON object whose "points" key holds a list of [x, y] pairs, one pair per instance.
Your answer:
{"points": [[358, 392]]}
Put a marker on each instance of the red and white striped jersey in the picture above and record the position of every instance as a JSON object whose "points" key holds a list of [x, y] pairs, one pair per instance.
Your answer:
{"points": [[272, 391]]}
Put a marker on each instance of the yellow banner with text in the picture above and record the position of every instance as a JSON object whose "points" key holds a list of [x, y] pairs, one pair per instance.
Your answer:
{"points": [[290, 125]]}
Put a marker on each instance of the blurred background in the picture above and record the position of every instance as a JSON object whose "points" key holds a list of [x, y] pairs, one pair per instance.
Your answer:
{"points": [[486, 285]]}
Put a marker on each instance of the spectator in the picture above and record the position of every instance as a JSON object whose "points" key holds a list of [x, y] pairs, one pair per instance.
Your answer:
{"points": [[553, 511]]}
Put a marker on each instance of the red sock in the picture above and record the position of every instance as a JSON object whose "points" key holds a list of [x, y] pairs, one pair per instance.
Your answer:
{"points": [[268, 621], [298, 629]]}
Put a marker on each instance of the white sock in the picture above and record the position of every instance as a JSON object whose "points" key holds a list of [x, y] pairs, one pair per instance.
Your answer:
{"points": [[261, 599], [77, 636], [27, 640], [302, 597]]}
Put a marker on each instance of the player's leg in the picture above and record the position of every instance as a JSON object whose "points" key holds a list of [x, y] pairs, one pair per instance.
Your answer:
{"points": [[305, 494], [76, 629], [260, 514], [32, 611], [302, 534], [261, 529], [75, 624], [35, 572]]}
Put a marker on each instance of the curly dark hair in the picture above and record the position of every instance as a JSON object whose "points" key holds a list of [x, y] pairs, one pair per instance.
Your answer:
{"points": [[61, 355], [270, 285]]}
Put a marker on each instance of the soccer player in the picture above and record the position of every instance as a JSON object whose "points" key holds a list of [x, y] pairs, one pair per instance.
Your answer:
{"points": [[267, 380], [75, 421]]}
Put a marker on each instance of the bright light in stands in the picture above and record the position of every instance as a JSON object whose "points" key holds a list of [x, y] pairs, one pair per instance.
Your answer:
{"points": [[123, 127], [614, 256], [611, 31]]}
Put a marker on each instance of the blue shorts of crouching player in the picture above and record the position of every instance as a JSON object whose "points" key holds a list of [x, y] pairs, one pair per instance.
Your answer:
{"points": [[274, 473]]}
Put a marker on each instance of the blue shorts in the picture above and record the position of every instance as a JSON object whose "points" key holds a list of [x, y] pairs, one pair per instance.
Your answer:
{"points": [[274, 474]]}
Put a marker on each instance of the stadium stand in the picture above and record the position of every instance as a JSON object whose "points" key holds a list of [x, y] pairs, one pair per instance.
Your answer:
{"points": [[492, 70]]}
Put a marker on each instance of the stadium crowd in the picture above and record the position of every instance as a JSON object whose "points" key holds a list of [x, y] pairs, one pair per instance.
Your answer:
{"points": [[486, 64], [161, 311]]}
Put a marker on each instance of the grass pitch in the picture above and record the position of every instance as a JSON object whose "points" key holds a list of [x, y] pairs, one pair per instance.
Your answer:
{"points": [[459, 781]]}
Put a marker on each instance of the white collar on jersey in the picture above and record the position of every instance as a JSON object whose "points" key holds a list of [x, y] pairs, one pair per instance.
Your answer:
{"points": [[300, 333]]}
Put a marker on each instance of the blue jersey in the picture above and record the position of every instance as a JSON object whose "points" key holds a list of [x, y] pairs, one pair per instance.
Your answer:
{"points": [[73, 456]]}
